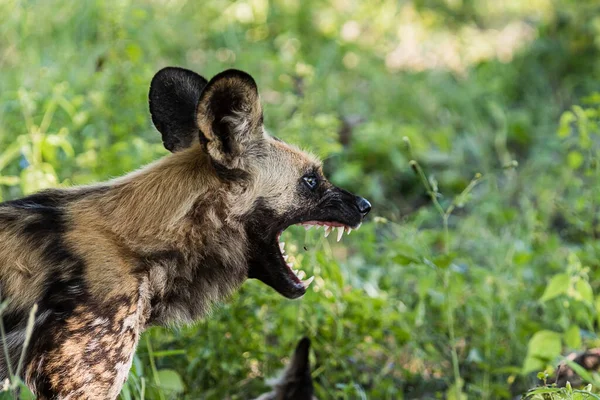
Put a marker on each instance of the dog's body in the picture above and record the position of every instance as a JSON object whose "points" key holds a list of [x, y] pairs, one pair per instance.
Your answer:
{"points": [[160, 245]]}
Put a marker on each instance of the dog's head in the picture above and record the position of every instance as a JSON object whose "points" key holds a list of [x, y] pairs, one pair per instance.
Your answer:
{"points": [[296, 382], [285, 186]]}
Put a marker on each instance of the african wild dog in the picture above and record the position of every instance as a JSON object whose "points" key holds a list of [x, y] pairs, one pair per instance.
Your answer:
{"points": [[162, 244], [296, 381]]}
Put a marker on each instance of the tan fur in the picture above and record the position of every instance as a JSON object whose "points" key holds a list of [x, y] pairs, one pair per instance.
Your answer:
{"points": [[247, 119], [21, 270], [94, 354]]}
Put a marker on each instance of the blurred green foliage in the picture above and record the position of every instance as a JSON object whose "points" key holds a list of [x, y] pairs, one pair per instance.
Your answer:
{"points": [[413, 305]]}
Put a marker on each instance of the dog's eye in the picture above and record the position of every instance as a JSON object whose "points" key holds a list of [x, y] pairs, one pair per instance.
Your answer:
{"points": [[311, 181]]}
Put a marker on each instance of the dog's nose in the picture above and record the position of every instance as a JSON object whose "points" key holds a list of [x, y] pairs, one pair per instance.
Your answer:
{"points": [[363, 205]]}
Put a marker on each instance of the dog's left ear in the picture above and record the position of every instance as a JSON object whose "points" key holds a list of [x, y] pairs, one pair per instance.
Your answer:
{"points": [[230, 115], [173, 97]]}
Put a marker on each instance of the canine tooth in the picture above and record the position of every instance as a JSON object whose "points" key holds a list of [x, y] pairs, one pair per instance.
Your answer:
{"points": [[307, 282], [327, 230], [358, 227], [348, 229], [340, 232]]}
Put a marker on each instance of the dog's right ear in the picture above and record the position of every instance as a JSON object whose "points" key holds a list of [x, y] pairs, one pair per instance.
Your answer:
{"points": [[174, 94]]}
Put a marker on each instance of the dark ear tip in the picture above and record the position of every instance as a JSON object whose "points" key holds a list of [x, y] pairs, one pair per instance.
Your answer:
{"points": [[305, 340], [303, 345], [165, 70], [171, 70], [159, 77], [172, 74]]}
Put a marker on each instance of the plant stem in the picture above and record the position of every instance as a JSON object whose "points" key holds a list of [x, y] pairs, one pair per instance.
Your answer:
{"points": [[153, 366], [452, 335], [445, 215], [28, 333]]}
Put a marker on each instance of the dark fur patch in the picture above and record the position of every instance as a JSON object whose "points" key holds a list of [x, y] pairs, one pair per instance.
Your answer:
{"points": [[45, 231], [189, 279], [262, 246], [230, 174], [173, 96], [65, 286]]}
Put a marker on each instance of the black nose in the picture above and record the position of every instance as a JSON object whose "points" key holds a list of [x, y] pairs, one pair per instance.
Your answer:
{"points": [[363, 205]]}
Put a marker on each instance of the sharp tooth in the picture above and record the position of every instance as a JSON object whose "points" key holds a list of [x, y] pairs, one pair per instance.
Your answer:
{"points": [[285, 257], [327, 230], [307, 227], [307, 282], [301, 274], [340, 232], [290, 265], [281, 246], [348, 229], [358, 227]]}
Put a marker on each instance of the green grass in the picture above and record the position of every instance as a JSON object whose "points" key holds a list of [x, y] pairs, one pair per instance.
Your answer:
{"points": [[419, 303]]}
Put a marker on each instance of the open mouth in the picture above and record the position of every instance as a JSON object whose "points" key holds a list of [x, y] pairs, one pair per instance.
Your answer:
{"points": [[296, 277], [342, 213]]}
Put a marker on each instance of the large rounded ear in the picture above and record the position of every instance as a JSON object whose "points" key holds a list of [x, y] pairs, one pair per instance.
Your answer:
{"points": [[230, 115], [174, 94]]}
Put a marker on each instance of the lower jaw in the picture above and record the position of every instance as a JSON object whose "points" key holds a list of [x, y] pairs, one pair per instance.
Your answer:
{"points": [[297, 285]]}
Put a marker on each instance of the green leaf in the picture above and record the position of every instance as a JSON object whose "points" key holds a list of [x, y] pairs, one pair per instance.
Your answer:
{"points": [[444, 260], [542, 347], [545, 344], [403, 258], [572, 337], [584, 291], [170, 381], [134, 52], [566, 119], [544, 391], [37, 177], [25, 393], [9, 180], [559, 284], [574, 159]]}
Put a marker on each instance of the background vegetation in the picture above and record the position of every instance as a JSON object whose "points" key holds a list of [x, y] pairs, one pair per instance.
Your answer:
{"points": [[460, 285]]}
